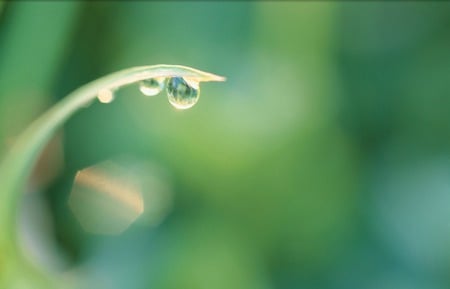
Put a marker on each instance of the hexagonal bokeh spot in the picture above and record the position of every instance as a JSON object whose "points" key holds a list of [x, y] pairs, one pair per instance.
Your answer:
{"points": [[106, 198]]}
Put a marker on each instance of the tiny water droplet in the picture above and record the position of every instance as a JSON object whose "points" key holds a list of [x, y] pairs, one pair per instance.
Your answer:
{"points": [[105, 96], [152, 86], [182, 93]]}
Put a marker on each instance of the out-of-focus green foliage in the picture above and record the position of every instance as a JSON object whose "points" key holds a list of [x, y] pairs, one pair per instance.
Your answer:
{"points": [[31, 50], [322, 162]]}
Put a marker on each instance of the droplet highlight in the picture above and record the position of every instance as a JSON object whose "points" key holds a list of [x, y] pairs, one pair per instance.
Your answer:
{"points": [[105, 95], [152, 86], [182, 93]]}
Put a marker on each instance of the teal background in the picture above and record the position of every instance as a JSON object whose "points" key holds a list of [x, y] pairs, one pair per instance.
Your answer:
{"points": [[322, 162]]}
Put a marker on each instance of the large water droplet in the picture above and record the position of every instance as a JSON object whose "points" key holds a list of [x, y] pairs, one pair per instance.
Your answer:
{"points": [[152, 86], [182, 93], [105, 95]]}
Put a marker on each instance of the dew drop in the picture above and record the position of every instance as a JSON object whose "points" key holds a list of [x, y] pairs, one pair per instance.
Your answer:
{"points": [[152, 86], [182, 93], [105, 95]]}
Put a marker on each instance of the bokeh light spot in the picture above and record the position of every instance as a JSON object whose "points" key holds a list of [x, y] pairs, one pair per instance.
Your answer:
{"points": [[106, 198]]}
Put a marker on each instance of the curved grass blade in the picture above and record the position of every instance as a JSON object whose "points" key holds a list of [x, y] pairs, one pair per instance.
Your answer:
{"points": [[18, 163]]}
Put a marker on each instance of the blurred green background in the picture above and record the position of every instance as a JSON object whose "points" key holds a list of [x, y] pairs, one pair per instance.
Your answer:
{"points": [[322, 162]]}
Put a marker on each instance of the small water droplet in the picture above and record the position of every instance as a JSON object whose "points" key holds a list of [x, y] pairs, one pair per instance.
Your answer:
{"points": [[105, 96], [152, 86], [182, 93]]}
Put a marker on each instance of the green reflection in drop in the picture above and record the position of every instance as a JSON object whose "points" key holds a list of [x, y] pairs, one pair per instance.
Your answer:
{"points": [[182, 93], [152, 86]]}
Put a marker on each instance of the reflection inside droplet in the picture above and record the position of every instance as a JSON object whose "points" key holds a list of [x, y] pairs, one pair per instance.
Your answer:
{"points": [[105, 95], [152, 86], [182, 93]]}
